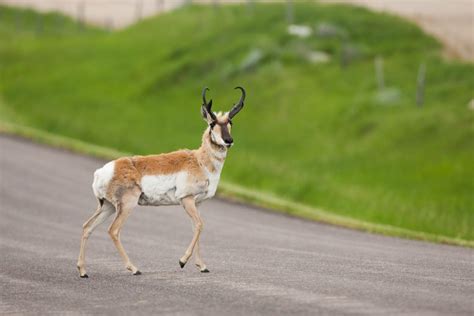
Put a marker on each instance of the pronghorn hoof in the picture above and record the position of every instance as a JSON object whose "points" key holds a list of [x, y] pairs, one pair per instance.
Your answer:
{"points": [[205, 271], [137, 273], [85, 276], [182, 264]]}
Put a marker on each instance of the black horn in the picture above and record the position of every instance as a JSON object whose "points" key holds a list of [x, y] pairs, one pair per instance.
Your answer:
{"points": [[204, 102], [206, 106], [238, 106]]}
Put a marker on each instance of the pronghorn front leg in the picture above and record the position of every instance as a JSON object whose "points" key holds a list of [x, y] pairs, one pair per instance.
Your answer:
{"points": [[190, 206], [124, 207]]}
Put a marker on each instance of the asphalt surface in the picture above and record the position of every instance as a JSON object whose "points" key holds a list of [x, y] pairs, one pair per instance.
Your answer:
{"points": [[260, 262]]}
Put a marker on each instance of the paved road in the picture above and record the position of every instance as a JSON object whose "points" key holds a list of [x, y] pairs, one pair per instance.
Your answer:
{"points": [[260, 262]]}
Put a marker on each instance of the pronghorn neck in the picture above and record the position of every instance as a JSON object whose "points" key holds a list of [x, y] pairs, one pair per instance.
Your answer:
{"points": [[211, 155]]}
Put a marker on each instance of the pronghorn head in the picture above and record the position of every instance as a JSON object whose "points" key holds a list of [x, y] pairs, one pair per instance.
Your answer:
{"points": [[220, 124]]}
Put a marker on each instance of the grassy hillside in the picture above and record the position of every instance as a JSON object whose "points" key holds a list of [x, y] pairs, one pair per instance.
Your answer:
{"points": [[313, 133]]}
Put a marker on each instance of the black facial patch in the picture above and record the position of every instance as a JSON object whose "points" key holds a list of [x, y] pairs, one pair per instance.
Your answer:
{"points": [[225, 133]]}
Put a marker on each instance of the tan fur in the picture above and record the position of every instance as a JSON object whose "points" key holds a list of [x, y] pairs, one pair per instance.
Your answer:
{"points": [[167, 163], [222, 117], [126, 177], [218, 129], [205, 154], [128, 201], [128, 171]]}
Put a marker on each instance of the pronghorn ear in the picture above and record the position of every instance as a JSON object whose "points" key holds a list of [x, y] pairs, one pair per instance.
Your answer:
{"points": [[206, 108], [209, 117]]}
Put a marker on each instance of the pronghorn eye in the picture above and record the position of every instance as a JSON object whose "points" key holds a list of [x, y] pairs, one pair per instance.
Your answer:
{"points": [[212, 125], [230, 122]]}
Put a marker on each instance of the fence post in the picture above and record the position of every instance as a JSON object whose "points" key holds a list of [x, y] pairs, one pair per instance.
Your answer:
{"points": [[344, 53], [39, 24], [379, 73], [138, 10], [250, 6], [18, 21], [109, 24], [290, 15], [160, 5], [420, 85], [81, 12], [60, 24]]}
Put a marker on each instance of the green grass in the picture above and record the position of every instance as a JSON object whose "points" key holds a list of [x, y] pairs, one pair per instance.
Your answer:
{"points": [[309, 133]]}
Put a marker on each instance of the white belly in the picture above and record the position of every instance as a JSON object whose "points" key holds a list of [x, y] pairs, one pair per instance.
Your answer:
{"points": [[170, 189], [160, 189]]}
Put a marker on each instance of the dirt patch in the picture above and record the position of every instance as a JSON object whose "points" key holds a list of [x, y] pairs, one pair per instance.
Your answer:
{"points": [[451, 21]]}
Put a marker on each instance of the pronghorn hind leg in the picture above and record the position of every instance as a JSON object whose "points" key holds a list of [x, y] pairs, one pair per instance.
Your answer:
{"points": [[126, 204], [189, 205], [198, 259], [104, 210]]}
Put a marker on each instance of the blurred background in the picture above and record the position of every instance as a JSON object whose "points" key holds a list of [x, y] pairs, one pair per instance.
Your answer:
{"points": [[361, 108], [451, 21]]}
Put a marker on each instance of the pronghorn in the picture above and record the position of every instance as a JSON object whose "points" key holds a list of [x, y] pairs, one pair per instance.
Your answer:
{"points": [[185, 177]]}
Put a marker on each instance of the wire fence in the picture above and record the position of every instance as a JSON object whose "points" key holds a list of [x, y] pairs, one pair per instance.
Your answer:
{"points": [[113, 14]]}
